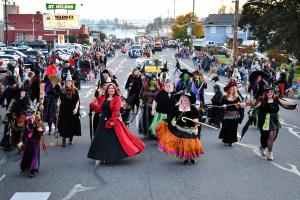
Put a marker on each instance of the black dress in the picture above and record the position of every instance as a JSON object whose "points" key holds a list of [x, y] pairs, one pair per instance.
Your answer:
{"points": [[69, 124], [105, 145], [230, 122]]}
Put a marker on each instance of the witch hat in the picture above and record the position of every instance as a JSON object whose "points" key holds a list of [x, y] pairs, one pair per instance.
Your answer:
{"points": [[69, 77]]}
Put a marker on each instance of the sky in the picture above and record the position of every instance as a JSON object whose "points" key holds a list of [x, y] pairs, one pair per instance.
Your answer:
{"points": [[129, 9]]}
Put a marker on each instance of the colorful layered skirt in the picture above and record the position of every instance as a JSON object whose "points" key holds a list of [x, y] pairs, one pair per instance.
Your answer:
{"points": [[174, 141], [156, 120]]}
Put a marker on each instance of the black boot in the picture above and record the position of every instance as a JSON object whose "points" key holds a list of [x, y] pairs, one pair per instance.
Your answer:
{"points": [[71, 141], [63, 142]]}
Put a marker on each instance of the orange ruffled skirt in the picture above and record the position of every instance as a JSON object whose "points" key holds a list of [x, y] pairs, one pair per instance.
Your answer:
{"points": [[177, 143]]}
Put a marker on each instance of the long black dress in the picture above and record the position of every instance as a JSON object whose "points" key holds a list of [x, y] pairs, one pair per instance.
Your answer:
{"points": [[105, 145], [230, 122], [69, 124]]}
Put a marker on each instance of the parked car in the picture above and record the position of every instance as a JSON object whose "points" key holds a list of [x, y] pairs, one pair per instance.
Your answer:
{"points": [[38, 43], [9, 57], [210, 44]]}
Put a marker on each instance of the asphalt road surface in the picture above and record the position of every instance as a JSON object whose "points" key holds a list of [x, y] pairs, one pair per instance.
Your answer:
{"points": [[237, 172]]}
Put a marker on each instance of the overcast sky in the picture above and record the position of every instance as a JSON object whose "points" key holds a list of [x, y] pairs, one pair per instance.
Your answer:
{"points": [[129, 9]]}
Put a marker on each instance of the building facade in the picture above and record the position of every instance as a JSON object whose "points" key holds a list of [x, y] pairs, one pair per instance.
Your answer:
{"points": [[219, 28], [29, 27]]}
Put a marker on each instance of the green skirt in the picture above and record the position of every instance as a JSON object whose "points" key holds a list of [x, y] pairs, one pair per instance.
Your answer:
{"points": [[271, 122], [157, 118]]}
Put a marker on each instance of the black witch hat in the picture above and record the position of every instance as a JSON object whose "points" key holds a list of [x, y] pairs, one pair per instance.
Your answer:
{"points": [[185, 71]]}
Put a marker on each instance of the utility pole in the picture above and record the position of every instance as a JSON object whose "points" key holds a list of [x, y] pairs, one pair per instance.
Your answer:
{"points": [[6, 22], [192, 35], [174, 11], [33, 28], [235, 32], [168, 25]]}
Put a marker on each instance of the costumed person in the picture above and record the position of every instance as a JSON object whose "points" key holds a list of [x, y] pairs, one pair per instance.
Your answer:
{"points": [[148, 93], [163, 104], [133, 86], [233, 114], [125, 111], [177, 136], [186, 84], [16, 118], [200, 84], [51, 94], [236, 76], [268, 119], [113, 141], [163, 76], [30, 142], [216, 111], [69, 114]]}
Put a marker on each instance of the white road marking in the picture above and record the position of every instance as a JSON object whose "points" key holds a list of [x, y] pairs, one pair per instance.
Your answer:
{"points": [[88, 93], [112, 60], [31, 196], [2, 177], [3, 160], [120, 65], [83, 114], [77, 188], [85, 86], [209, 93], [290, 128], [256, 151]]}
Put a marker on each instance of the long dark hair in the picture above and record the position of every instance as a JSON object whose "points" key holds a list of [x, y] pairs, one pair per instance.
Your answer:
{"points": [[264, 98], [117, 93]]}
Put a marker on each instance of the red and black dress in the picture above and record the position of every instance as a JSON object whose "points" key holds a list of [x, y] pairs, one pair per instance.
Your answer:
{"points": [[112, 142]]}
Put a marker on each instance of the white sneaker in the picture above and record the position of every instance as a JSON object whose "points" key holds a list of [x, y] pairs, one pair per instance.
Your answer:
{"points": [[270, 156], [263, 151], [97, 163]]}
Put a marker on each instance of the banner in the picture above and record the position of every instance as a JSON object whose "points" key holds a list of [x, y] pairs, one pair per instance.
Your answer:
{"points": [[60, 21], [51, 6], [60, 39]]}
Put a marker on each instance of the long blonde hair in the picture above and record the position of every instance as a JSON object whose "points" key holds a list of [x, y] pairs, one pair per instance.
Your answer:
{"points": [[235, 94]]}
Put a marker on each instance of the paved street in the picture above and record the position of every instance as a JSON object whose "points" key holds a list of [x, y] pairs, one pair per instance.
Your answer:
{"points": [[221, 173]]}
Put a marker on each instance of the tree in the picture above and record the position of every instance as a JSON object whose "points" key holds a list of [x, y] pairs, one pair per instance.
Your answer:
{"points": [[181, 23], [222, 9], [83, 38], [275, 24], [72, 38]]}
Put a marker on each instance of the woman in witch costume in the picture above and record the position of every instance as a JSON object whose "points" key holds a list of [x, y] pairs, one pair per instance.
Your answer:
{"points": [[133, 86], [177, 136], [232, 114], [113, 141], [51, 95], [69, 115], [148, 93], [163, 104], [200, 84], [268, 119], [30, 142], [186, 84]]}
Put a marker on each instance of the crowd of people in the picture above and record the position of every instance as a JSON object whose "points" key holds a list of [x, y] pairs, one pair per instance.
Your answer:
{"points": [[171, 113]]}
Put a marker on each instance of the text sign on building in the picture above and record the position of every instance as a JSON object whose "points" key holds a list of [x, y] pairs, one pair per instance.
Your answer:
{"points": [[51, 6], [60, 21], [60, 39]]}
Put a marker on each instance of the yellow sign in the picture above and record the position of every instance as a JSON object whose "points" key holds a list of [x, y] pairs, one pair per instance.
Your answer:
{"points": [[60, 21], [60, 39]]}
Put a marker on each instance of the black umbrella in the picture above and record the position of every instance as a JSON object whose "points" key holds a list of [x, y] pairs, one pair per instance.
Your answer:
{"points": [[246, 126], [257, 73]]}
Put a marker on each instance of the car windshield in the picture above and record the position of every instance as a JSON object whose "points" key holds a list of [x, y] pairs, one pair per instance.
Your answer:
{"points": [[136, 47], [153, 63]]}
